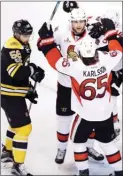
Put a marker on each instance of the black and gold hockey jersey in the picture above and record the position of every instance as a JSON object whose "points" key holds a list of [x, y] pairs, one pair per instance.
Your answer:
{"points": [[15, 71]]}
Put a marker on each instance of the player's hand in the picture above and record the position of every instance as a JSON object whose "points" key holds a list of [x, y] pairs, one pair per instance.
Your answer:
{"points": [[46, 40], [109, 29], [96, 30], [32, 94], [68, 6], [107, 24], [46, 36], [37, 73], [45, 31]]}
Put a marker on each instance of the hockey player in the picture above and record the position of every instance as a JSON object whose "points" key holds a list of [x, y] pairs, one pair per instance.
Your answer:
{"points": [[91, 100], [16, 70], [110, 21], [65, 37]]}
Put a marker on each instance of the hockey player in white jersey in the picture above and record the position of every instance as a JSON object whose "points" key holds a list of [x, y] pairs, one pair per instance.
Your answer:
{"points": [[66, 36], [91, 98], [109, 21]]}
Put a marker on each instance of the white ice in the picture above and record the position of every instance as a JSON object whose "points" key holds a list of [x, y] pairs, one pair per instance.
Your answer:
{"points": [[42, 142]]}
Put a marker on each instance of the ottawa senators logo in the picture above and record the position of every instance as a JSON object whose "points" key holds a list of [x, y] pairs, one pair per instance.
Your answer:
{"points": [[71, 54]]}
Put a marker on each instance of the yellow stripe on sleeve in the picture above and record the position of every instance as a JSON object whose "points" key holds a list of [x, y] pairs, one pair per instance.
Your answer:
{"points": [[10, 66], [14, 87], [13, 94], [16, 69]]}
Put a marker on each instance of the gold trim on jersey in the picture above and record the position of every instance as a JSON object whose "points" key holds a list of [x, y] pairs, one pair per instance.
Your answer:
{"points": [[11, 65], [13, 91], [13, 68], [13, 43]]}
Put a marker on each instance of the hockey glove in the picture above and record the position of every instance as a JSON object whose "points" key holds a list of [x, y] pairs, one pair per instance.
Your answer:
{"points": [[46, 40], [37, 73], [107, 24], [68, 6], [109, 29], [96, 30], [32, 94]]}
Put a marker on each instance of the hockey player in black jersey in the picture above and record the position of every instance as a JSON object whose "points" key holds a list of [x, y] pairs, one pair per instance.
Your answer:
{"points": [[16, 70]]}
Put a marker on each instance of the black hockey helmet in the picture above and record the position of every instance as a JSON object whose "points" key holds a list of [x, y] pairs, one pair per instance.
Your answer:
{"points": [[22, 27]]}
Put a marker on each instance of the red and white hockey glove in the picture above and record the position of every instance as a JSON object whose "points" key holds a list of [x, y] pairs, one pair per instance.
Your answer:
{"points": [[46, 40]]}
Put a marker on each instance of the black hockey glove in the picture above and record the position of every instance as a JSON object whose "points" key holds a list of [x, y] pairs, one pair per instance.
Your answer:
{"points": [[107, 24], [68, 6], [32, 94], [46, 40], [44, 32], [96, 30], [37, 73], [110, 32]]}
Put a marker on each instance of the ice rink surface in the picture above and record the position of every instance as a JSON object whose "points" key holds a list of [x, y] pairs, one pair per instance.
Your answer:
{"points": [[42, 142]]}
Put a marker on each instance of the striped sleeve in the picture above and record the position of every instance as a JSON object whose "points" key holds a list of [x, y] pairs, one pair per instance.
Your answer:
{"points": [[13, 68], [18, 71]]}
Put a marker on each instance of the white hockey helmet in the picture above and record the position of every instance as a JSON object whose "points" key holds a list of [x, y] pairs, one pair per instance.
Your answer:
{"points": [[113, 15], [78, 14], [87, 50], [87, 47]]}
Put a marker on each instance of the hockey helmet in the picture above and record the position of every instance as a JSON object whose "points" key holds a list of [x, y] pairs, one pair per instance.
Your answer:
{"points": [[87, 51], [78, 14], [22, 27]]}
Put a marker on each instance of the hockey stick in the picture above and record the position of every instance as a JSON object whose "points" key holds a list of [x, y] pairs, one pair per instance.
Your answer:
{"points": [[52, 15], [53, 12]]}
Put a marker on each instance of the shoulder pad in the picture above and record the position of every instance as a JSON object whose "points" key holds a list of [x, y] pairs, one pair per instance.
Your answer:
{"points": [[13, 43]]}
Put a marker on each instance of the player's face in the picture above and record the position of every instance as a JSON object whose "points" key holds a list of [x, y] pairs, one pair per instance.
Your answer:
{"points": [[78, 26], [25, 38]]}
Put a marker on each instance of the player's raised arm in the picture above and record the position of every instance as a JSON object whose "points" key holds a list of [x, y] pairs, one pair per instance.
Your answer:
{"points": [[47, 45]]}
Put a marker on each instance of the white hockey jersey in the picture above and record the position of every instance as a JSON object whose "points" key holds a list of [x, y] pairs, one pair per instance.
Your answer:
{"points": [[90, 84]]}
